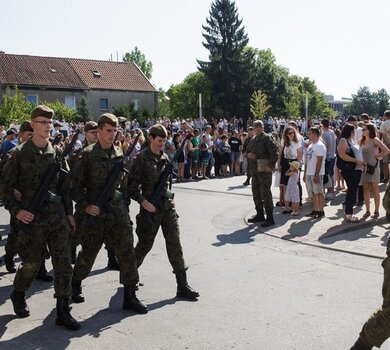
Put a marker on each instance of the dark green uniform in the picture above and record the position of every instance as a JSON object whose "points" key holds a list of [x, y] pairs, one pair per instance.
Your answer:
{"points": [[145, 173], [377, 329], [24, 171], [89, 176], [265, 149]]}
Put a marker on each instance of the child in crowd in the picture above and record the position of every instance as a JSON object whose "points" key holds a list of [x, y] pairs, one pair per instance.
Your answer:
{"points": [[204, 156], [292, 190], [225, 154]]}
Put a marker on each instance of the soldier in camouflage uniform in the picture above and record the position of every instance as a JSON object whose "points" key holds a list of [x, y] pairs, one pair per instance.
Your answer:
{"points": [[25, 171], [145, 174], [377, 329], [91, 137], [11, 247], [90, 173], [262, 153]]}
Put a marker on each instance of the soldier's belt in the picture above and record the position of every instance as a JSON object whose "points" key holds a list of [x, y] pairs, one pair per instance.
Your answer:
{"points": [[261, 164]]}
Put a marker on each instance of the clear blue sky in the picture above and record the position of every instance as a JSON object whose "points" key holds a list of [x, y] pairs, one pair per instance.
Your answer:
{"points": [[341, 44]]}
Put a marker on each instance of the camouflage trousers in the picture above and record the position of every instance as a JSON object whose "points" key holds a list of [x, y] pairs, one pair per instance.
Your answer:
{"points": [[147, 232], [119, 231], [377, 329], [11, 247], [261, 191], [54, 232]]}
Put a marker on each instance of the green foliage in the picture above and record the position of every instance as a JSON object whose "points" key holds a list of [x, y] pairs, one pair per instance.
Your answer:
{"points": [[61, 111], [123, 110], [259, 105], [382, 99], [163, 105], [83, 111], [363, 102], [137, 57], [13, 106], [184, 97], [229, 66]]}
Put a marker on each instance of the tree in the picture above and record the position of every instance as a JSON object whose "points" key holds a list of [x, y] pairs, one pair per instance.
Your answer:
{"points": [[259, 106], [82, 110], [137, 57], [13, 106], [363, 102], [163, 105], [61, 111], [382, 99], [229, 65], [184, 97]]}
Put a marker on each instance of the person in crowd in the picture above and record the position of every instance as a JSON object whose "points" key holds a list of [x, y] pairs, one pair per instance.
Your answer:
{"points": [[236, 148], [243, 160], [385, 138], [196, 154], [373, 150], [209, 138], [289, 150], [170, 148], [177, 140], [314, 172], [225, 150], [339, 181], [349, 151], [10, 142], [329, 138], [204, 156], [292, 190], [217, 153], [244, 154]]}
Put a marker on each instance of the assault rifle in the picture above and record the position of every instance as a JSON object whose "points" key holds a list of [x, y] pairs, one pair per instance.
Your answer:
{"points": [[108, 190], [43, 195], [161, 193]]}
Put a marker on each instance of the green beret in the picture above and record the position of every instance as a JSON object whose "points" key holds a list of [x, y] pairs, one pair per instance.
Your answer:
{"points": [[159, 130], [26, 126], [109, 119], [42, 111], [90, 126]]}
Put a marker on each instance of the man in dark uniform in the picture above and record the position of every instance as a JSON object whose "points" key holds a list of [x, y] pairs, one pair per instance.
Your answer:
{"points": [[11, 247], [90, 173], [262, 153], [377, 329], [24, 171], [145, 174], [91, 137]]}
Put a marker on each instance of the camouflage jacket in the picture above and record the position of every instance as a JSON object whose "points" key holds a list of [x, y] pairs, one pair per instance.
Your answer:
{"points": [[264, 147], [90, 173], [24, 171], [145, 173]]}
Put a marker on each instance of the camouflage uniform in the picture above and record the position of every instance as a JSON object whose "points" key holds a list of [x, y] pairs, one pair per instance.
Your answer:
{"points": [[377, 329], [89, 176], [24, 171], [146, 170], [264, 147]]}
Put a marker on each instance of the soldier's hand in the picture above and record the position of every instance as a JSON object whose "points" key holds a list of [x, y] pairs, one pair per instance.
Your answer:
{"points": [[18, 195], [92, 210], [251, 155], [267, 169], [148, 206], [72, 223], [25, 216]]}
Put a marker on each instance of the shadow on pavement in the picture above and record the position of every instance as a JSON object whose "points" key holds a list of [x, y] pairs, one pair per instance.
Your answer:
{"points": [[48, 336], [242, 236]]}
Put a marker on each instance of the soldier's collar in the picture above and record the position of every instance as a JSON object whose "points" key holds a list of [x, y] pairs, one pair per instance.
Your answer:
{"points": [[49, 149]]}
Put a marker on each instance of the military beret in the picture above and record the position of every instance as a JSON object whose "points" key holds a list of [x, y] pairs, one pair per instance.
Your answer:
{"points": [[90, 126], [25, 126], [109, 119], [258, 123], [42, 111], [159, 130]]}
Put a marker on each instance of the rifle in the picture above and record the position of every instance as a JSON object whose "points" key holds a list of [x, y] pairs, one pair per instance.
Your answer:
{"points": [[105, 195], [161, 192], [43, 195]]}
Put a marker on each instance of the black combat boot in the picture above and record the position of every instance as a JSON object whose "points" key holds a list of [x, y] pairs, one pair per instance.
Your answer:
{"points": [[259, 217], [112, 260], [42, 274], [19, 302], [131, 302], [77, 291], [359, 345], [9, 263], [269, 221], [64, 318], [73, 255], [183, 288]]}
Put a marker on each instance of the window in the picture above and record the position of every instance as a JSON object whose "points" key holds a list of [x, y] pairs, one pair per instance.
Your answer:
{"points": [[104, 104], [136, 105], [96, 73], [32, 99], [70, 101]]}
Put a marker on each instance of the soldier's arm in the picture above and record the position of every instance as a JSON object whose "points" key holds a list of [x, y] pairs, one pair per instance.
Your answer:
{"points": [[9, 181], [134, 181], [78, 189], [65, 183]]}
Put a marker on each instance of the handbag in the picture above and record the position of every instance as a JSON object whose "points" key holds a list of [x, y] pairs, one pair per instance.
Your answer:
{"points": [[343, 165], [370, 169]]}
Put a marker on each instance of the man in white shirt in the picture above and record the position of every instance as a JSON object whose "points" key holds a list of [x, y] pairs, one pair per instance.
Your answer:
{"points": [[314, 172]]}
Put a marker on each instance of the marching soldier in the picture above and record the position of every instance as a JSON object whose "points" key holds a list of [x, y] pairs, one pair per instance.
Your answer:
{"points": [[24, 171], [90, 173], [145, 174]]}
